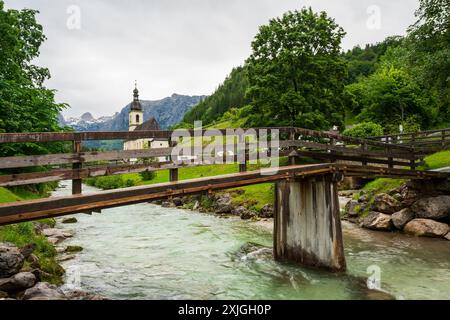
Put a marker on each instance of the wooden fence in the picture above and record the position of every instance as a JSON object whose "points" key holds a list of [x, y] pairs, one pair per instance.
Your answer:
{"points": [[78, 165], [424, 141]]}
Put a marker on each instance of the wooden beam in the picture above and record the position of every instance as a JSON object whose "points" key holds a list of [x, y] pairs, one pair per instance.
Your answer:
{"points": [[51, 207]]}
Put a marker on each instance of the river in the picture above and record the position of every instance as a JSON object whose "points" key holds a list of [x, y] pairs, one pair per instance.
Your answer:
{"points": [[145, 251]]}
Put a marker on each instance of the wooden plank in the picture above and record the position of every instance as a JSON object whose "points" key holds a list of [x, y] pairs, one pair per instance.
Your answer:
{"points": [[85, 202], [82, 157], [52, 207], [349, 151], [334, 156], [87, 136]]}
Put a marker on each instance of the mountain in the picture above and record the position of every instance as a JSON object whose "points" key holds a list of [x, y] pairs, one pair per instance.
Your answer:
{"points": [[168, 112]]}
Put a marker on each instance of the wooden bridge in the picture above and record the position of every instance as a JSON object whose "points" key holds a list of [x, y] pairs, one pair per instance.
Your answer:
{"points": [[307, 216]]}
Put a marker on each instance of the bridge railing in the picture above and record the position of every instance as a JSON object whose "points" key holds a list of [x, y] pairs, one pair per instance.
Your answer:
{"points": [[78, 165], [424, 141]]}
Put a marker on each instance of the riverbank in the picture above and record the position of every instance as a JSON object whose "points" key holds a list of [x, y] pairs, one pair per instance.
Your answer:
{"points": [[31, 252], [419, 208]]}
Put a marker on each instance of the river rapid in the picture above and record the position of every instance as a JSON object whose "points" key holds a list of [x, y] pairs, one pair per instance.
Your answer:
{"points": [[145, 251]]}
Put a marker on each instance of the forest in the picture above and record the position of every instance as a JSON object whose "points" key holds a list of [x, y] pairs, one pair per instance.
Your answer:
{"points": [[298, 75]]}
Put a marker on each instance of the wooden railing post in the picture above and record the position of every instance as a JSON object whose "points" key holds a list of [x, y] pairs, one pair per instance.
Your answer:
{"points": [[77, 183], [173, 173], [243, 165], [292, 159], [364, 147], [443, 138]]}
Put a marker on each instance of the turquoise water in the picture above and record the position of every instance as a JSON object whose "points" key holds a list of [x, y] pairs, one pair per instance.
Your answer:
{"points": [[148, 252]]}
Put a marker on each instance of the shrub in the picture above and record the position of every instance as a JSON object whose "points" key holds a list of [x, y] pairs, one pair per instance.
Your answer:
{"points": [[148, 175], [113, 182], [364, 130]]}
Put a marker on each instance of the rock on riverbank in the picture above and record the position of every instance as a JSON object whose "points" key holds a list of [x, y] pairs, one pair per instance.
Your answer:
{"points": [[417, 207], [220, 204], [20, 273]]}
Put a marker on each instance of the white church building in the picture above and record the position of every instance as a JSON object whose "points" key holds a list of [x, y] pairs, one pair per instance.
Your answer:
{"points": [[136, 123]]}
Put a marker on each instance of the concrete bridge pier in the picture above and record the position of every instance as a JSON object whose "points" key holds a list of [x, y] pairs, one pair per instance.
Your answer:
{"points": [[307, 227]]}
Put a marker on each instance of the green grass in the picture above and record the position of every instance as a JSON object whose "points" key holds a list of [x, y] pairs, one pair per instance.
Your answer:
{"points": [[23, 233], [437, 160], [8, 196], [254, 196], [382, 185]]}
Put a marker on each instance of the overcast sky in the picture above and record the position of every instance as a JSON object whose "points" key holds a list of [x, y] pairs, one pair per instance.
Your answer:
{"points": [[174, 46]]}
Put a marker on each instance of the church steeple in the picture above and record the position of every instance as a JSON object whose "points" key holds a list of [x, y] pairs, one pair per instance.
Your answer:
{"points": [[136, 115], [136, 105]]}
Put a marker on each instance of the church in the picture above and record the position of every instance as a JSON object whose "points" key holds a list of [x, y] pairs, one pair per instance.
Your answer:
{"points": [[136, 123]]}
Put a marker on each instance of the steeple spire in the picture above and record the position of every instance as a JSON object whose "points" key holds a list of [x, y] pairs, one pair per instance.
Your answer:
{"points": [[136, 105]]}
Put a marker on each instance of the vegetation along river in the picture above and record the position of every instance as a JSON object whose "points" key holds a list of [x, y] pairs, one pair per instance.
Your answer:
{"points": [[145, 251]]}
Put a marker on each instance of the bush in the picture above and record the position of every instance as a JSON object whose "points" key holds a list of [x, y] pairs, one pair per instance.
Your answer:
{"points": [[113, 182], [148, 175], [364, 130]]}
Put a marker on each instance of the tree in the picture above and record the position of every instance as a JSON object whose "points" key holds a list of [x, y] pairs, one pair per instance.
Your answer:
{"points": [[26, 104], [429, 47], [390, 97], [231, 94], [296, 73]]}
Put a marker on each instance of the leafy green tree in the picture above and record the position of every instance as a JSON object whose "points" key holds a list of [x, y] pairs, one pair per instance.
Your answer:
{"points": [[429, 47], [231, 94], [296, 72], [26, 104], [363, 62], [389, 97]]}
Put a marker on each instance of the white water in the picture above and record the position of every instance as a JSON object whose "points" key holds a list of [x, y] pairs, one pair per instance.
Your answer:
{"points": [[149, 252]]}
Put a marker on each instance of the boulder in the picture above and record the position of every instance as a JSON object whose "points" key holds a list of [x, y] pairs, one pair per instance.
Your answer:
{"points": [[352, 208], [447, 236], [55, 241], [166, 204], [267, 211], [70, 249], [363, 198], [409, 196], [177, 202], [223, 204], [426, 228], [249, 214], [11, 260], [244, 213], [27, 250], [432, 207], [18, 282], [377, 221], [384, 203], [58, 233], [69, 220], [402, 217], [44, 291], [3, 295]]}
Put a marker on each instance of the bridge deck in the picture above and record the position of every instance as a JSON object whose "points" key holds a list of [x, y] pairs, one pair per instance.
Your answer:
{"points": [[95, 202]]}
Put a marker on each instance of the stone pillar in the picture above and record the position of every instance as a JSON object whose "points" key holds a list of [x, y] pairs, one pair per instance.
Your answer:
{"points": [[307, 228]]}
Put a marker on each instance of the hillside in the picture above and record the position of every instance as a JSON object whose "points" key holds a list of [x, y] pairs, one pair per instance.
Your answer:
{"points": [[230, 94]]}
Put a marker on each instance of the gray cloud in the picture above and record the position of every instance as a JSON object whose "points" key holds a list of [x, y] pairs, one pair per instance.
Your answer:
{"points": [[182, 46]]}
